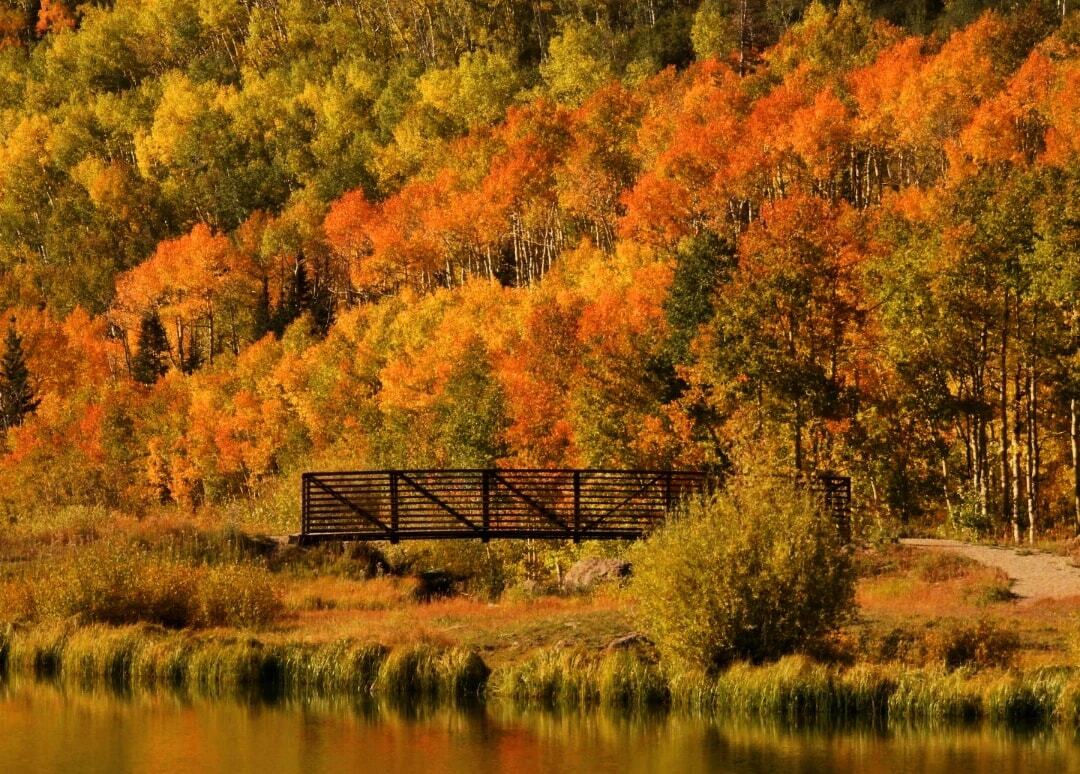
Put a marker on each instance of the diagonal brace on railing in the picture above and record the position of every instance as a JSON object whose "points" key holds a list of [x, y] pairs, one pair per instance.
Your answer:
{"points": [[644, 488], [352, 506], [439, 502], [536, 505]]}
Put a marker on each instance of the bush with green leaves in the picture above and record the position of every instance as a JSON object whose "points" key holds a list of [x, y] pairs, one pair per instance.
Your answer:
{"points": [[121, 584], [752, 573]]}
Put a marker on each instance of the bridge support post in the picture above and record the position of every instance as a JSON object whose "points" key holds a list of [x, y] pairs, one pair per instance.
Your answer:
{"points": [[577, 506], [393, 507], [305, 503], [485, 505]]}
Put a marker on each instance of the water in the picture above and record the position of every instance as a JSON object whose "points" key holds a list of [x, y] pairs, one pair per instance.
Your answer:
{"points": [[45, 728]]}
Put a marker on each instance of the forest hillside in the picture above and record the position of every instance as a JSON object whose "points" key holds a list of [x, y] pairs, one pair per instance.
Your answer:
{"points": [[244, 238]]}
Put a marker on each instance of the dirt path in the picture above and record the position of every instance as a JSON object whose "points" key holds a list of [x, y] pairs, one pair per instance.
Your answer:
{"points": [[1035, 575]]}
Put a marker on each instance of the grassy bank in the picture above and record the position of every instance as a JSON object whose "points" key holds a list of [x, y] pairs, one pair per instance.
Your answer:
{"points": [[148, 657], [799, 690], [795, 690], [179, 604]]}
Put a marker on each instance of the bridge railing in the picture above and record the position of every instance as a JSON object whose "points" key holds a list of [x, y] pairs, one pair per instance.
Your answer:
{"points": [[490, 503], [568, 504]]}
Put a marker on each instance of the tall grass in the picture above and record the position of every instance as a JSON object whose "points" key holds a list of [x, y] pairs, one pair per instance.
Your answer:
{"points": [[934, 697], [426, 672], [120, 584], [794, 690], [146, 656], [338, 668], [572, 678]]}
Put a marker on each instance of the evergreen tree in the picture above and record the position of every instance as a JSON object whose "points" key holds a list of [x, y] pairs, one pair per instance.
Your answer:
{"points": [[702, 264], [151, 362], [322, 307], [263, 317], [193, 357], [296, 299], [17, 397]]}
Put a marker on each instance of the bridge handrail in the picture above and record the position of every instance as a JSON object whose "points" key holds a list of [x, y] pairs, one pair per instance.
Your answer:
{"points": [[487, 503]]}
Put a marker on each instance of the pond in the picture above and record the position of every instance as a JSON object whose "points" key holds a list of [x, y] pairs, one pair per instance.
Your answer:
{"points": [[46, 728]]}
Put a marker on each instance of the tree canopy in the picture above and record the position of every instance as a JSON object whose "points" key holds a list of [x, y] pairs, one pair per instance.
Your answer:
{"points": [[242, 238]]}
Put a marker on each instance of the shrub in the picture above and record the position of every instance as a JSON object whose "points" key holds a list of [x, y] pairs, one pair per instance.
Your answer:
{"points": [[357, 561], [991, 590], [976, 646], [487, 570], [236, 595], [752, 573], [434, 584], [120, 584], [16, 601], [936, 567], [967, 519]]}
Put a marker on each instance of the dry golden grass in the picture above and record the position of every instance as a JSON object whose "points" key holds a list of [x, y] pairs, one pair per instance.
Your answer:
{"points": [[382, 610], [905, 589], [899, 589], [344, 594]]}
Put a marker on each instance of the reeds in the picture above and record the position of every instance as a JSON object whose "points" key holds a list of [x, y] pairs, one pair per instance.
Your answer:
{"points": [[793, 690], [120, 584], [572, 678], [933, 697], [796, 690], [426, 672], [148, 656]]}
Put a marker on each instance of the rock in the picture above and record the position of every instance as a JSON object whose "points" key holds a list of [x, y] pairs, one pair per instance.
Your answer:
{"points": [[588, 573], [368, 560], [529, 588], [434, 584], [628, 641]]}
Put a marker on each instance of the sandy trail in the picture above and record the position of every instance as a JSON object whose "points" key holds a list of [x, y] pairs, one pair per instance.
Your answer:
{"points": [[1035, 575]]}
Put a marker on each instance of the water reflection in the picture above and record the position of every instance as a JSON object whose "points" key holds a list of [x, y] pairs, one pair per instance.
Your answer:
{"points": [[46, 727]]}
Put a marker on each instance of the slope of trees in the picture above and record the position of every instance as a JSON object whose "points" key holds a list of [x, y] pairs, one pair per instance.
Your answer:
{"points": [[246, 238]]}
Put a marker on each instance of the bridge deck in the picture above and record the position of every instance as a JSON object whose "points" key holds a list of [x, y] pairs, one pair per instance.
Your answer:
{"points": [[485, 504]]}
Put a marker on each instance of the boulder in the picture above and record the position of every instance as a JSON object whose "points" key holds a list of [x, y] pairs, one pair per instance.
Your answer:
{"points": [[629, 642], [434, 584], [588, 573]]}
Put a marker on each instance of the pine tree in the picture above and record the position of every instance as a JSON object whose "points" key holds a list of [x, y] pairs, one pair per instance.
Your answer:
{"points": [[193, 357], [322, 308], [151, 362], [263, 318], [17, 397], [296, 299]]}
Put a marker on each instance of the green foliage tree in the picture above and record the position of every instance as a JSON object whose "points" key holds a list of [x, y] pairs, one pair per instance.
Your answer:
{"points": [[17, 397], [471, 414], [751, 573], [703, 265], [783, 323], [577, 64], [476, 92], [151, 360], [715, 32]]}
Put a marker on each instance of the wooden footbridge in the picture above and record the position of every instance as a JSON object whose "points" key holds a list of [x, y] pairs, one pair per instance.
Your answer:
{"points": [[491, 503]]}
